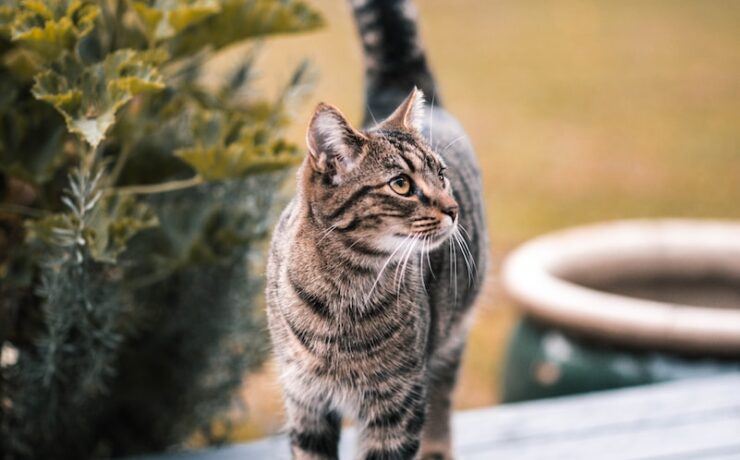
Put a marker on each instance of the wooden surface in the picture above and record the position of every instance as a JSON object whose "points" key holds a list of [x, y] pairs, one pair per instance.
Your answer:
{"points": [[688, 419]]}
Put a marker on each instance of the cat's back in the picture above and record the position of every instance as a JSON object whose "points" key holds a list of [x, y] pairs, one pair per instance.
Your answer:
{"points": [[448, 139]]}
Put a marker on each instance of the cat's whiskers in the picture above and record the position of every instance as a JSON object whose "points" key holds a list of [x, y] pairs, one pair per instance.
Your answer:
{"points": [[407, 256], [380, 273], [457, 237], [421, 264], [429, 262], [449, 250], [399, 267], [375, 122], [369, 110], [431, 121], [463, 229], [421, 273], [457, 244], [454, 141], [464, 237], [326, 233], [408, 259]]}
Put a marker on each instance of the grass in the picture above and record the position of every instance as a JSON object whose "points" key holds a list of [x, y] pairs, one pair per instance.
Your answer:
{"points": [[580, 111]]}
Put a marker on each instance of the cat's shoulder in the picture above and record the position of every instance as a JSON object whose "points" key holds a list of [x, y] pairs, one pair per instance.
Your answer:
{"points": [[287, 218]]}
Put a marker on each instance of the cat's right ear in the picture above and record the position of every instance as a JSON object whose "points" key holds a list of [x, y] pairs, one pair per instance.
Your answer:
{"points": [[334, 146]]}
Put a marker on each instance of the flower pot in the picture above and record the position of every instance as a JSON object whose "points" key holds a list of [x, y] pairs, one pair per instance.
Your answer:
{"points": [[638, 296]]}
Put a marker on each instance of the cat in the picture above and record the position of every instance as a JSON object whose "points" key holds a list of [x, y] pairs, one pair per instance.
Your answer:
{"points": [[375, 263]]}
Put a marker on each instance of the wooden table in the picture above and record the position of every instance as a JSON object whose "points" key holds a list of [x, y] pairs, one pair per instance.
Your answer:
{"points": [[688, 419]]}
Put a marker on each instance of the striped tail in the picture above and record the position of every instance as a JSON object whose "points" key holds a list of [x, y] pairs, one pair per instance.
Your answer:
{"points": [[394, 57]]}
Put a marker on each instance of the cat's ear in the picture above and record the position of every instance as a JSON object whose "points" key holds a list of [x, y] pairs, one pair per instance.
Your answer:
{"points": [[410, 114], [334, 146]]}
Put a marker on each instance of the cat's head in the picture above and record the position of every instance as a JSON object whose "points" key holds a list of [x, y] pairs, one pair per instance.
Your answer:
{"points": [[384, 186]]}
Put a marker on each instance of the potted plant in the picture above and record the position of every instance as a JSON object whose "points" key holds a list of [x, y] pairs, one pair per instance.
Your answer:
{"points": [[134, 204]]}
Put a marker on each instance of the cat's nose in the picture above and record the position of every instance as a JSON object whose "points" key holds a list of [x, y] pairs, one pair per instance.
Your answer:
{"points": [[451, 211]]}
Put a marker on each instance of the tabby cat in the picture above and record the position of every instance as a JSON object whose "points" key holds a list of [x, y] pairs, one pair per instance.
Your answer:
{"points": [[375, 263]]}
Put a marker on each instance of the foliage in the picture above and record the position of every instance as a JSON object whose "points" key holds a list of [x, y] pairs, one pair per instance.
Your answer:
{"points": [[134, 203]]}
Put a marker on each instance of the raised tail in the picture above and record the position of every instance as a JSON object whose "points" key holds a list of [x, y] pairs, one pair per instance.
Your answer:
{"points": [[395, 61]]}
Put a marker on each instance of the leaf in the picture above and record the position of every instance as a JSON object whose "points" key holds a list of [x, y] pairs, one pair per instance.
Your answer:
{"points": [[23, 63], [51, 27], [117, 220], [253, 152], [52, 230], [89, 96], [242, 19], [164, 18], [230, 145], [242, 74], [32, 133], [8, 11]]}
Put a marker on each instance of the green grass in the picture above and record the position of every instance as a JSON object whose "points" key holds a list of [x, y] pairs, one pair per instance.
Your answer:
{"points": [[580, 111]]}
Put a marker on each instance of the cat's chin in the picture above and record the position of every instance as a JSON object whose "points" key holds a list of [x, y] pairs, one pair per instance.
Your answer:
{"points": [[442, 235], [438, 239]]}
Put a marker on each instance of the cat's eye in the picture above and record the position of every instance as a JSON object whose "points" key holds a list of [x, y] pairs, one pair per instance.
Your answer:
{"points": [[441, 174], [401, 185]]}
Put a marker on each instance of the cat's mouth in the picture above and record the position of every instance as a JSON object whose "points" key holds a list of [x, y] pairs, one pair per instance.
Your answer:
{"points": [[433, 238], [439, 236], [414, 240]]}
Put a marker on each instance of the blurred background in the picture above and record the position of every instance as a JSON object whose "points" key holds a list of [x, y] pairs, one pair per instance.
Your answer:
{"points": [[580, 111], [144, 145]]}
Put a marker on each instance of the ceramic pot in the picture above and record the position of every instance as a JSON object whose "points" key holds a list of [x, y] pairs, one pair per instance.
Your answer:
{"points": [[658, 299]]}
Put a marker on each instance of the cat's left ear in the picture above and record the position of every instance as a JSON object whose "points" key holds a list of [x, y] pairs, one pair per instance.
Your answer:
{"points": [[410, 114], [334, 146]]}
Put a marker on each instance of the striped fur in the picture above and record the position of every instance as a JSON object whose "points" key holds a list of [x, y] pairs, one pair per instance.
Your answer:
{"points": [[394, 55], [369, 289]]}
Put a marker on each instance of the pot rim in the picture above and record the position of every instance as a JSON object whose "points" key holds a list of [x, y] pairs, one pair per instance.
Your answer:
{"points": [[530, 276]]}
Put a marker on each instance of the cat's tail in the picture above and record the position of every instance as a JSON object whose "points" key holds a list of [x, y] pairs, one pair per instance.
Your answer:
{"points": [[395, 61]]}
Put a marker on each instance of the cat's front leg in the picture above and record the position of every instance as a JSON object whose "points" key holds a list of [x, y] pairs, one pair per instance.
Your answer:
{"points": [[314, 431], [443, 370], [391, 422]]}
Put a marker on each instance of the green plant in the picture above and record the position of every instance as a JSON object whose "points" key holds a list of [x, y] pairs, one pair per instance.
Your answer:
{"points": [[135, 200]]}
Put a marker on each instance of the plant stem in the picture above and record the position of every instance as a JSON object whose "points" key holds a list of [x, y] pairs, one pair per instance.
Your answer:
{"points": [[120, 162], [160, 188]]}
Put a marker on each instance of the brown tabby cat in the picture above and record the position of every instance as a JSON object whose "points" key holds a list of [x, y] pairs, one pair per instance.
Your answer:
{"points": [[375, 263]]}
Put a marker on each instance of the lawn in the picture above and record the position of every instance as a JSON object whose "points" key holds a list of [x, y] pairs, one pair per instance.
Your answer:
{"points": [[580, 111]]}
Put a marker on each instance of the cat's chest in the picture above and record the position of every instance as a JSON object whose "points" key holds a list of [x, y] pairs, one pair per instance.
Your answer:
{"points": [[359, 345], [368, 360]]}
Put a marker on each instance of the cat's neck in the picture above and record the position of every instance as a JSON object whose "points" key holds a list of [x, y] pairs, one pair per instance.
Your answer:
{"points": [[327, 261]]}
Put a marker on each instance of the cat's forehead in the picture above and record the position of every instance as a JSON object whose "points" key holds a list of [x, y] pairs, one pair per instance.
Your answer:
{"points": [[405, 149]]}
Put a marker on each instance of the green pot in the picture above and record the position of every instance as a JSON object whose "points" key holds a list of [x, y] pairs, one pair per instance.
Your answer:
{"points": [[623, 303], [542, 361]]}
